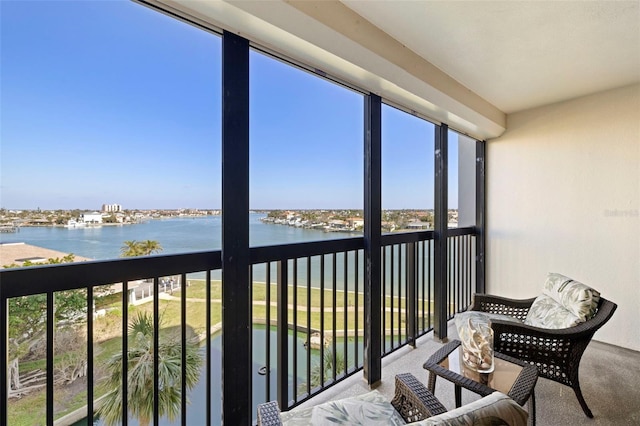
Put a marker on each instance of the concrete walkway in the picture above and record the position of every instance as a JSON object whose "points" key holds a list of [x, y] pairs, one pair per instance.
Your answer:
{"points": [[166, 296]]}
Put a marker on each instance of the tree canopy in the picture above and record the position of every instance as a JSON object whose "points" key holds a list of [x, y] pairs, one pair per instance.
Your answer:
{"points": [[26, 313], [139, 361], [133, 248]]}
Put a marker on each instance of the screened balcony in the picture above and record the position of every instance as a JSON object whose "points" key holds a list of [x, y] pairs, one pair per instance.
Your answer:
{"points": [[554, 189]]}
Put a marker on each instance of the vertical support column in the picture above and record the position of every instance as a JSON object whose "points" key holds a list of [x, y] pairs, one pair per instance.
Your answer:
{"points": [[481, 154], [236, 324], [372, 240], [283, 335], [440, 233], [412, 294]]}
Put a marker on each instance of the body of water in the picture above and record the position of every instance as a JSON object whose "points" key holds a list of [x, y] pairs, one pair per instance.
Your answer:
{"points": [[179, 235], [182, 235]]}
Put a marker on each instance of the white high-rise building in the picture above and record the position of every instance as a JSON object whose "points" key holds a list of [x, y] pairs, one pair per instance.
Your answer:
{"points": [[111, 208]]}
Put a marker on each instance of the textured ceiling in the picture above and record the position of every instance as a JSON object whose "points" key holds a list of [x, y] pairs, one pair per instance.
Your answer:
{"points": [[519, 55]]}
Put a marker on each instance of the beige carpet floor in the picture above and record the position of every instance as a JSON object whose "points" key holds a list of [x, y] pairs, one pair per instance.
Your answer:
{"points": [[609, 376]]}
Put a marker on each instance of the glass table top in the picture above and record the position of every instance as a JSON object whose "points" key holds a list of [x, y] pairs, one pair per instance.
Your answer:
{"points": [[501, 378]]}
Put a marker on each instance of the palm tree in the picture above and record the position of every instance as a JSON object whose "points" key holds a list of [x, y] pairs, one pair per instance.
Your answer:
{"points": [[133, 248], [149, 247], [140, 379], [326, 365], [130, 248]]}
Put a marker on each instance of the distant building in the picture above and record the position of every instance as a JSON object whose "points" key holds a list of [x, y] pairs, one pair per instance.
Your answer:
{"points": [[89, 218], [418, 225], [111, 208], [356, 222], [337, 225]]}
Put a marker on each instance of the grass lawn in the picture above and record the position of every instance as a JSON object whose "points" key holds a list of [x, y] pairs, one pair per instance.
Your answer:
{"points": [[197, 290], [108, 331]]}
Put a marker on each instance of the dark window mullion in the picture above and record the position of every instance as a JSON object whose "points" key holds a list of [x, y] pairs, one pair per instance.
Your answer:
{"points": [[372, 238], [236, 300], [440, 290]]}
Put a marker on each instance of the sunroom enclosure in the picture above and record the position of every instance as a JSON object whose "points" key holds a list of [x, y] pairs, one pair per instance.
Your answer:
{"points": [[377, 292]]}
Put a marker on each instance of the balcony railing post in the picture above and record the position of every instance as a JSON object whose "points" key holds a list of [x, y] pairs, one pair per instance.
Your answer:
{"points": [[283, 335], [125, 351], [90, 311], [4, 358], [440, 233], [412, 300], [236, 291], [50, 331], [372, 238], [481, 154], [156, 346]]}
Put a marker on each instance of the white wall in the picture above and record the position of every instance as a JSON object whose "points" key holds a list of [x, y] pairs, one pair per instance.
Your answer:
{"points": [[563, 195]]}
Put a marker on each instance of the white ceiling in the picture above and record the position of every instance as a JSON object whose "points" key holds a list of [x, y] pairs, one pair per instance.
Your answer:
{"points": [[465, 63], [518, 55]]}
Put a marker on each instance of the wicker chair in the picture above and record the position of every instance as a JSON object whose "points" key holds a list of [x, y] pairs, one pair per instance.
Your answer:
{"points": [[414, 403], [556, 353]]}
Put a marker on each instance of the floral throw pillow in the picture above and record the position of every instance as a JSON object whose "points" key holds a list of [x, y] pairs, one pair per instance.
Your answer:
{"points": [[545, 312], [577, 298], [370, 409]]}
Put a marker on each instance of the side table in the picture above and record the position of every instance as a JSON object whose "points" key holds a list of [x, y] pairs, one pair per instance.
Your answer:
{"points": [[511, 376]]}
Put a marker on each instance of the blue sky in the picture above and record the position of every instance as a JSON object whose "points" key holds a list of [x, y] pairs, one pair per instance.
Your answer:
{"points": [[111, 102]]}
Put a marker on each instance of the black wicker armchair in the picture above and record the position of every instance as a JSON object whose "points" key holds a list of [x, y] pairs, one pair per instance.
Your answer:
{"points": [[555, 352]]}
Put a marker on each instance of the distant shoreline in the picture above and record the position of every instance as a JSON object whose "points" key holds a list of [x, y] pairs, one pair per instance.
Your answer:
{"points": [[55, 225]]}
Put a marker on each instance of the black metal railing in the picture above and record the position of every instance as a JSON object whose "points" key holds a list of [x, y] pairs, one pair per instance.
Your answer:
{"points": [[41, 286], [461, 270], [318, 287], [407, 285], [308, 314]]}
